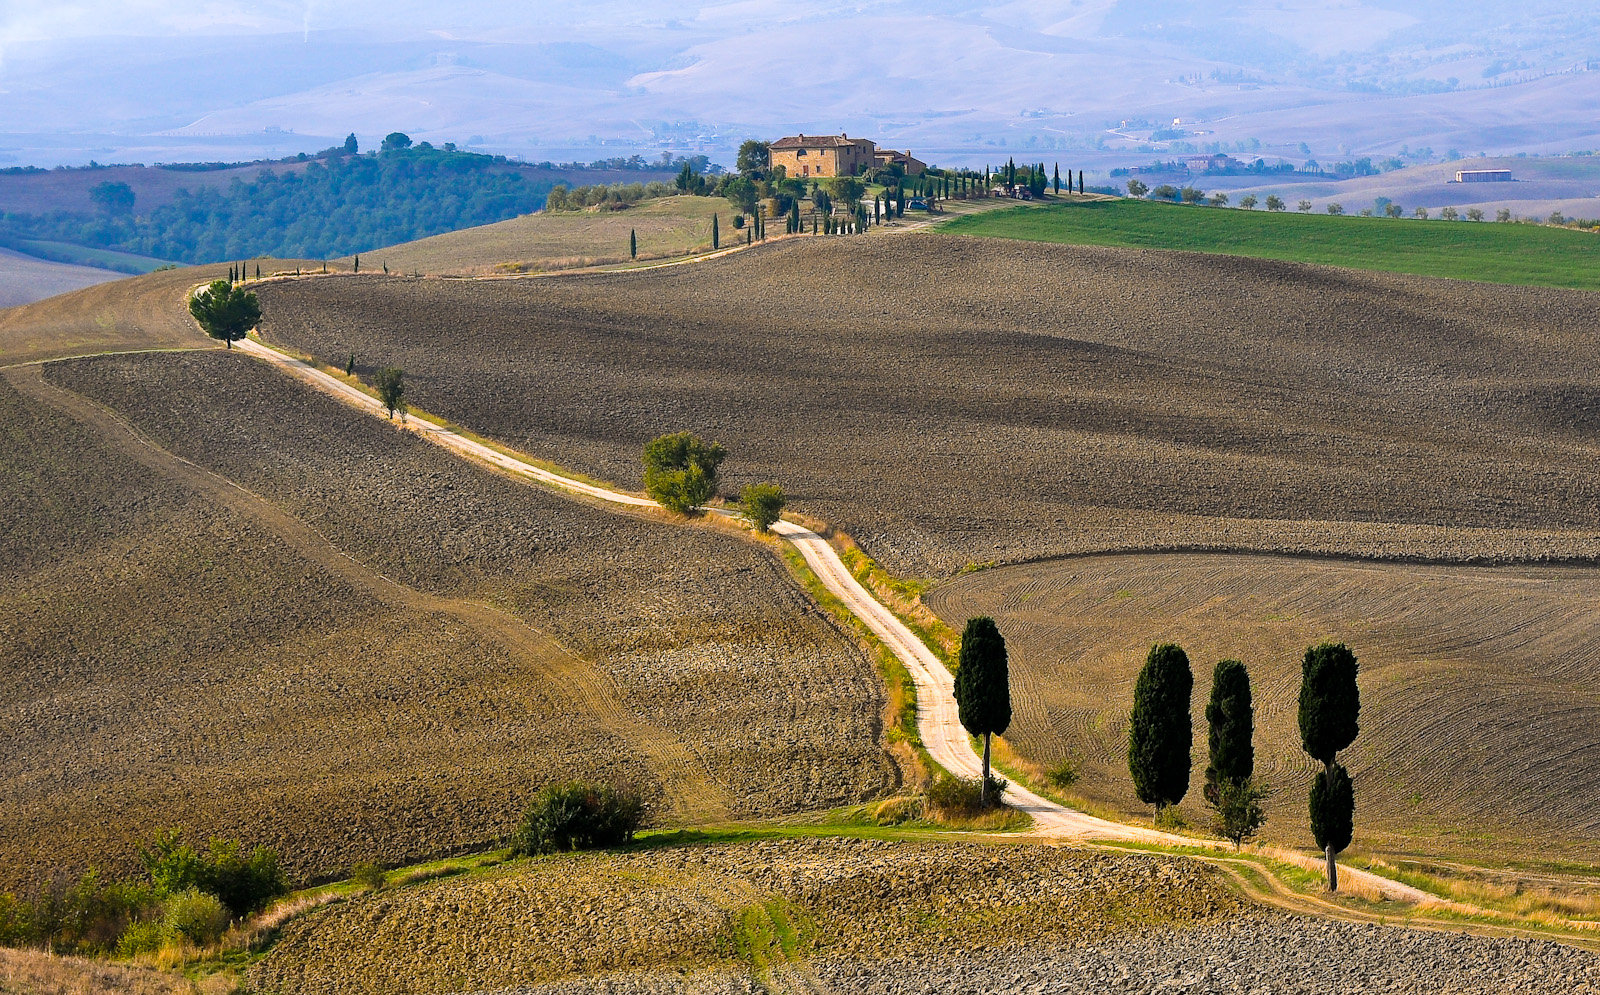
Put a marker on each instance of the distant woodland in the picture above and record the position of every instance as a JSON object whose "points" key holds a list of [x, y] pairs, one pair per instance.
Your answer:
{"points": [[332, 206]]}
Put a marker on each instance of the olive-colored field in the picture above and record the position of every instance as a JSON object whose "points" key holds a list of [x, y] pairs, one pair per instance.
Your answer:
{"points": [[951, 401], [1530, 255], [667, 227], [264, 615], [1480, 686]]}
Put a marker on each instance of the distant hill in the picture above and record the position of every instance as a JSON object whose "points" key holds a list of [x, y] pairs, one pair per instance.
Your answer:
{"points": [[315, 208], [24, 279]]}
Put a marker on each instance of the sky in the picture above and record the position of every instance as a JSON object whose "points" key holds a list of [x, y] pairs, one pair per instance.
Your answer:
{"points": [[170, 79]]}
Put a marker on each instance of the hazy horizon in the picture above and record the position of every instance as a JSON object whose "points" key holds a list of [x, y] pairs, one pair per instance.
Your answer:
{"points": [[149, 82]]}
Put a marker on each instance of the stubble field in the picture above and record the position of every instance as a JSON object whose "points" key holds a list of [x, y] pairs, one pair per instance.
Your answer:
{"points": [[272, 617], [1478, 686], [951, 401]]}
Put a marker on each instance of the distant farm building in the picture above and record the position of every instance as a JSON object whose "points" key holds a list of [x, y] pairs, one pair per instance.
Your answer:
{"points": [[1483, 176], [835, 155]]}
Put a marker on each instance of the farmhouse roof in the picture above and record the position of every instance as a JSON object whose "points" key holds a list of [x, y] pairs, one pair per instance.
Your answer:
{"points": [[816, 142]]}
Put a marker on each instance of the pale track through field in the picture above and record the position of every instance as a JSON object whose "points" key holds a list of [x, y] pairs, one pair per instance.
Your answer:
{"points": [[941, 731]]}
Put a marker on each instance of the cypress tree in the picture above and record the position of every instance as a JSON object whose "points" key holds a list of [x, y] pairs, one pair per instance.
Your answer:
{"points": [[1160, 736], [716, 234], [1333, 808], [1230, 716], [358, 264], [633, 243], [1058, 180], [350, 367], [983, 686], [1080, 181], [1330, 712], [258, 271]]}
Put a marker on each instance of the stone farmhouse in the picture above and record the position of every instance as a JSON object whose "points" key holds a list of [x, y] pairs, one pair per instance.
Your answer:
{"points": [[807, 156]]}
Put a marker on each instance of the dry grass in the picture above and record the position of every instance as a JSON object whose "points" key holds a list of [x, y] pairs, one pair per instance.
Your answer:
{"points": [[1478, 708], [537, 243], [33, 972]]}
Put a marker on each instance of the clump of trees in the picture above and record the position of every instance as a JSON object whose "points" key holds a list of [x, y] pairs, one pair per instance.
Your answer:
{"points": [[188, 897], [578, 816], [1160, 735], [983, 687], [612, 196], [680, 471], [226, 312]]}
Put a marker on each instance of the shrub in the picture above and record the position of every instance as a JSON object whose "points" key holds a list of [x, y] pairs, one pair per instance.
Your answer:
{"points": [[141, 938], [761, 505], [959, 795], [196, 916], [680, 470], [1063, 774], [243, 883], [391, 385], [368, 874], [577, 816], [1238, 813], [1171, 819]]}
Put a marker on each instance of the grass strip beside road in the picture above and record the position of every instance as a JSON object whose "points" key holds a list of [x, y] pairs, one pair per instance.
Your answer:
{"points": [[1489, 252]]}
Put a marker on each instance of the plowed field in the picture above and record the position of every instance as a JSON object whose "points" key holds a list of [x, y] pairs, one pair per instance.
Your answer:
{"points": [[1480, 706], [264, 615], [952, 401]]}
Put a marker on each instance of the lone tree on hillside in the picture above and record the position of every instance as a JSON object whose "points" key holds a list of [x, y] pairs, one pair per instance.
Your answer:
{"points": [[761, 505], [1248, 202], [225, 312], [1230, 787], [983, 686], [350, 145], [633, 243], [1160, 736], [1274, 202], [1137, 188], [680, 470], [391, 385], [395, 141], [1330, 711]]}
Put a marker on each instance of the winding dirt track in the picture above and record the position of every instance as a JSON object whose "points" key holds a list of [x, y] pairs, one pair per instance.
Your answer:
{"points": [[942, 734]]}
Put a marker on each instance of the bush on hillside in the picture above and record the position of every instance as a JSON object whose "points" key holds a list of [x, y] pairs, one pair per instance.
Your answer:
{"points": [[243, 883], [680, 470], [961, 796], [761, 504], [578, 816], [196, 916]]}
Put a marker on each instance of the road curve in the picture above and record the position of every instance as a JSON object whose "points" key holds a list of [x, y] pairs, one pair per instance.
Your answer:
{"points": [[937, 721]]}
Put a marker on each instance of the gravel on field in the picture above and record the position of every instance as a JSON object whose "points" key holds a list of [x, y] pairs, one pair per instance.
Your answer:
{"points": [[951, 400]]}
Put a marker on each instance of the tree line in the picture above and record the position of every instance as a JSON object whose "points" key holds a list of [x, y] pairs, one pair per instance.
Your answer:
{"points": [[330, 207]]}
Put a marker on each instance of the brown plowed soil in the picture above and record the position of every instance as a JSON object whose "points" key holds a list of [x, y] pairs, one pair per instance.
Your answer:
{"points": [[951, 400], [1478, 685], [232, 603]]}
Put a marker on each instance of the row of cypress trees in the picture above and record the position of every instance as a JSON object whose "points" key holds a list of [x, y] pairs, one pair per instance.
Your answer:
{"points": [[1160, 742]]}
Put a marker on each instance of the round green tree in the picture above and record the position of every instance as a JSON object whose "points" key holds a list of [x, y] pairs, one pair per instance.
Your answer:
{"points": [[1160, 735], [225, 312], [983, 686]]}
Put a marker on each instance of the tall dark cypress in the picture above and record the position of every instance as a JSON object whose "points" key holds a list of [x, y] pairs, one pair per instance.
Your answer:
{"points": [[983, 685], [1330, 713], [1160, 735], [1230, 717]]}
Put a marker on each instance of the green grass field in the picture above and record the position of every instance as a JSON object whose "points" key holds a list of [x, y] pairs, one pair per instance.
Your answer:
{"points": [[1530, 255]]}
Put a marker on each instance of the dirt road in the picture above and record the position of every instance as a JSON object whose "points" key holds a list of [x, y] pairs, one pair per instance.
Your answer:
{"points": [[942, 734]]}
